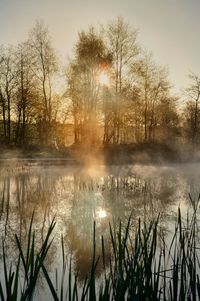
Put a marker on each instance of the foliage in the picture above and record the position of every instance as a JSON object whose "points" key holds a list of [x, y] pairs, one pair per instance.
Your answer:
{"points": [[135, 105]]}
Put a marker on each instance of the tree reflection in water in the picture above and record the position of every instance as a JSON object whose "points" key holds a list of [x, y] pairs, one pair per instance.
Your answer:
{"points": [[79, 196]]}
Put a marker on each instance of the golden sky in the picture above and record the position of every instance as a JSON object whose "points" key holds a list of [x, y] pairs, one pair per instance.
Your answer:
{"points": [[168, 28]]}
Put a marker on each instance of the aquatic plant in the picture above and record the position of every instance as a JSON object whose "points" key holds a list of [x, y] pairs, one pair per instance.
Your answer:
{"points": [[142, 265]]}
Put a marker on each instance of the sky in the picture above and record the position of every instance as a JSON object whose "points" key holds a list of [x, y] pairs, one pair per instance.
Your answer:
{"points": [[170, 29]]}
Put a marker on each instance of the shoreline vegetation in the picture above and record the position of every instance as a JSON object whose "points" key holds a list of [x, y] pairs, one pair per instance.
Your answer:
{"points": [[135, 153], [111, 93], [142, 265]]}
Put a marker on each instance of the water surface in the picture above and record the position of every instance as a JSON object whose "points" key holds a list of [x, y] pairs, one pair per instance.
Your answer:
{"points": [[77, 196]]}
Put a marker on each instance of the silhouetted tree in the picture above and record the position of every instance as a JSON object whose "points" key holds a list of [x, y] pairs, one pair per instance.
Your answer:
{"points": [[8, 84], [83, 84], [122, 43], [153, 87], [27, 101], [44, 67], [192, 112]]}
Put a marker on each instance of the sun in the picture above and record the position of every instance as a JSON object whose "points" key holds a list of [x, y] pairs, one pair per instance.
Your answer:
{"points": [[104, 79]]}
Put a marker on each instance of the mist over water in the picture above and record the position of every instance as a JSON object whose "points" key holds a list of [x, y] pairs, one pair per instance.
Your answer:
{"points": [[79, 195]]}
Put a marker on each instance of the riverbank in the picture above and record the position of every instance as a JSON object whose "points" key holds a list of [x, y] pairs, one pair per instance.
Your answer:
{"points": [[137, 153]]}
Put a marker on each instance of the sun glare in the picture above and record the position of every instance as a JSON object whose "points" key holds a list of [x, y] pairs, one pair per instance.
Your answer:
{"points": [[104, 79], [101, 213]]}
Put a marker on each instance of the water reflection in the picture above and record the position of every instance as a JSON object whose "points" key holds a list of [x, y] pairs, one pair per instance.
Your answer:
{"points": [[100, 213], [78, 197]]}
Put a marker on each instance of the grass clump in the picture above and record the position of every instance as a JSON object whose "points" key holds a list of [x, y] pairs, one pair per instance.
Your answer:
{"points": [[19, 281]]}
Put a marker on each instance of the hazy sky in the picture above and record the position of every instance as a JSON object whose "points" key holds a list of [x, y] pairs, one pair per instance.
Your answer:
{"points": [[168, 28]]}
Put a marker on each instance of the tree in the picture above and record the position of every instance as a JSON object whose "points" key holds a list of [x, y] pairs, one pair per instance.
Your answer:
{"points": [[192, 109], [44, 67], [153, 86], [91, 57], [27, 102], [7, 89], [122, 44], [168, 119]]}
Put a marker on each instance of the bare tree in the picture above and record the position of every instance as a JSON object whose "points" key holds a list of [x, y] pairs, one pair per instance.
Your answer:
{"points": [[44, 67], [26, 103], [153, 85], [7, 89], [122, 43], [192, 108]]}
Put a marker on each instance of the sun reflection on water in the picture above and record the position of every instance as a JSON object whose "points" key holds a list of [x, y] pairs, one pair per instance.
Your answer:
{"points": [[101, 213]]}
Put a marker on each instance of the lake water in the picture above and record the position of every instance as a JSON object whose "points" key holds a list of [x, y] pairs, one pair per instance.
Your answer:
{"points": [[77, 196]]}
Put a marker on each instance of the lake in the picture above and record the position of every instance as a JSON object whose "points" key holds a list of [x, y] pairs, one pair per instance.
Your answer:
{"points": [[77, 196]]}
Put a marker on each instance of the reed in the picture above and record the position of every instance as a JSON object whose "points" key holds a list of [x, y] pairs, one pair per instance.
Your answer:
{"points": [[142, 266]]}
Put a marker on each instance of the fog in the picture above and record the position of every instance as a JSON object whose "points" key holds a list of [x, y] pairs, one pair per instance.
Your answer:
{"points": [[78, 194]]}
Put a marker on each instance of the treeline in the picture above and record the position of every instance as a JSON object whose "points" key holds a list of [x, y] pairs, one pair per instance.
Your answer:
{"points": [[115, 92]]}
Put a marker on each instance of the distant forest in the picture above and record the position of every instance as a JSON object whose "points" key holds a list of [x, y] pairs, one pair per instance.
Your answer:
{"points": [[115, 93]]}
